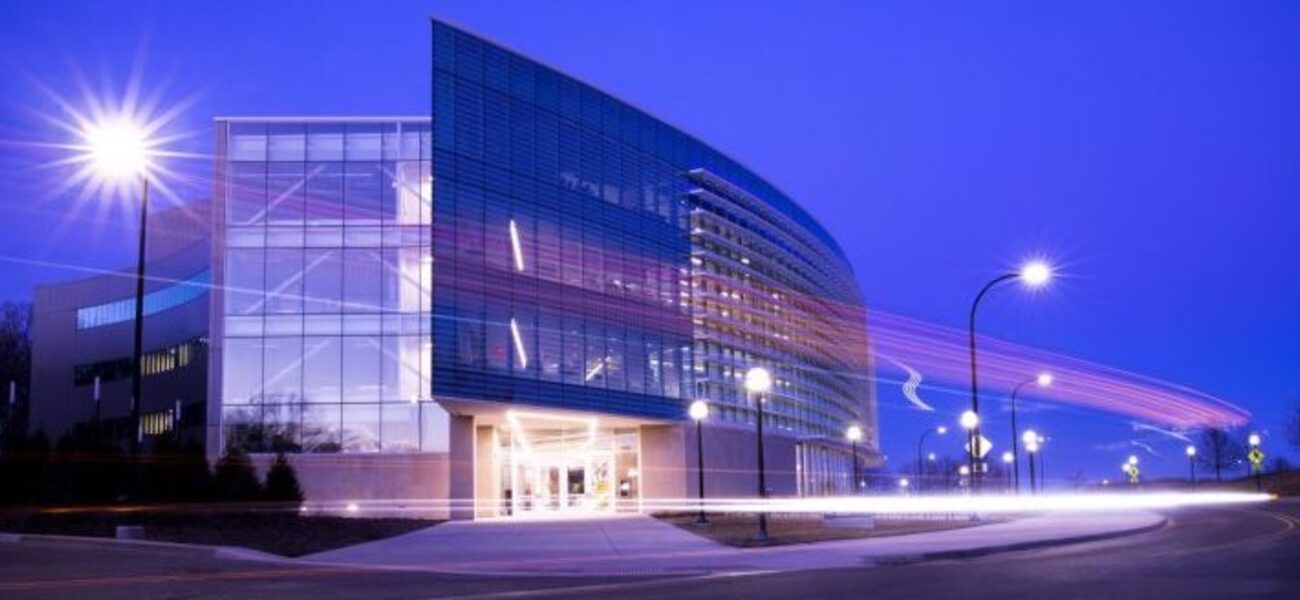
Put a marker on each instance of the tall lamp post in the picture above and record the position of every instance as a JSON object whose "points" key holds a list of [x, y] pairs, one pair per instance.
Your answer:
{"points": [[118, 150], [1256, 461], [1032, 274], [854, 434], [699, 411], [758, 381], [1191, 466], [1042, 468], [920, 465], [1043, 380], [970, 421], [1031, 448]]}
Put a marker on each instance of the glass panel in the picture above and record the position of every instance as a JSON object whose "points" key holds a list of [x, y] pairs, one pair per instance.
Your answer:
{"points": [[241, 371], [283, 370], [361, 286], [288, 142], [243, 293], [321, 428], [362, 194], [363, 141], [360, 361], [246, 194], [247, 141], [324, 199], [286, 188], [360, 427], [323, 281], [284, 275], [322, 370], [242, 427], [325, 141], [401, 426]]}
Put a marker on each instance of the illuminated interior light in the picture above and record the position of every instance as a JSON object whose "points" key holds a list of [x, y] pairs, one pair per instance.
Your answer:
{"points": [[519, 344], [594, 371], [515, 246]]}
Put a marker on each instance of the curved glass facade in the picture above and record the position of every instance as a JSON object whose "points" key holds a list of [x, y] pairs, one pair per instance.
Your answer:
{"points": [[588, 256]]}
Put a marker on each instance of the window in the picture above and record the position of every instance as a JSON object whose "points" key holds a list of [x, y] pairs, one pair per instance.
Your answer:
{"points": [[120, 311], [246, 194]]}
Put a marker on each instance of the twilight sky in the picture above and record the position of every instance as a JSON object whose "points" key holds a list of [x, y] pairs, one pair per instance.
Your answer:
{"points": [[1152, 150]]}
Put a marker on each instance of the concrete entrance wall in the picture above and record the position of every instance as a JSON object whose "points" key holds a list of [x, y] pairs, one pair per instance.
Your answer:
{"points": [[420, 479], [668, 459]]}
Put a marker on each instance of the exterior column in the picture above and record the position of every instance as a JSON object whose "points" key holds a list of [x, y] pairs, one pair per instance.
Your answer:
{"points": [[460, 468]]}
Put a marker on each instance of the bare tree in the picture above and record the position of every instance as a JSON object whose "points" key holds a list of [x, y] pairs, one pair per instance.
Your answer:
{"points": [[1219, 450], [15, 365]]}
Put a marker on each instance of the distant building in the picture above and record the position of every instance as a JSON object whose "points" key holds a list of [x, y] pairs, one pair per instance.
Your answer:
{"points": [[82, 337], [505, 308]]}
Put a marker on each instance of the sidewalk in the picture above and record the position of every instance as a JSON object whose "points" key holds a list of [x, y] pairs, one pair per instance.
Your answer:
{"points": [[635, 544]]}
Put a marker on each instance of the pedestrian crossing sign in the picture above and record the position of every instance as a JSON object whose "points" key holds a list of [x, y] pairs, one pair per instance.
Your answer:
{"points": [[1256, 457]]}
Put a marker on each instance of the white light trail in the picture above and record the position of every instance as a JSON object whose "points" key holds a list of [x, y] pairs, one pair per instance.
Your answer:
{"points": [[1166, 432], [893, 505], [911, 385]]}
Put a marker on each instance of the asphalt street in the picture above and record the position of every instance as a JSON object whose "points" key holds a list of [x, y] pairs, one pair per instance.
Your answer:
{"points": [[1249, 552]]}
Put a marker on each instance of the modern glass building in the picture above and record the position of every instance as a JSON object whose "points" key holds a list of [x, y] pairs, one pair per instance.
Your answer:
{"points": [[505, 307]]}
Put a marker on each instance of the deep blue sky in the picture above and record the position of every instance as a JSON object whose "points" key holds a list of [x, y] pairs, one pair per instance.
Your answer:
{"points": [[1152, 148]]}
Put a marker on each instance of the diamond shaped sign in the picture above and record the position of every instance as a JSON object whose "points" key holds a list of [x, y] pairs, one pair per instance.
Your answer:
{"points": [[985, 445]]}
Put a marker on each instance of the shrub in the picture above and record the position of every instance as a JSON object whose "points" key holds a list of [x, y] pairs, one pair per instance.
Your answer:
{"points": [[234, 479], [23, 461], [282, 482], [173, 472]]}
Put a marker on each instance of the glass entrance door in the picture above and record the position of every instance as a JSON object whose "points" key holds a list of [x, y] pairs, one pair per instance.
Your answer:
{"points": [[554, 468]]}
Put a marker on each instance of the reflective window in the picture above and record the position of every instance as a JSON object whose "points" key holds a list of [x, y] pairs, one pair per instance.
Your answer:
{"points": [[328, 272], [121, 311]]}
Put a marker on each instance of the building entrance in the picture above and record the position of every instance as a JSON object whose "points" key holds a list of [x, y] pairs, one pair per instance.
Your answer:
{"points": [[559, 465]]}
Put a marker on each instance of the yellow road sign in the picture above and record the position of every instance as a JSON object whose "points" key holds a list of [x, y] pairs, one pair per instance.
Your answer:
{"points": [[1256, 457]]}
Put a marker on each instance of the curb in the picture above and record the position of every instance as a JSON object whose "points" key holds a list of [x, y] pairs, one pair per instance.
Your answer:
{"points": [[968, 553], [233, 552]]}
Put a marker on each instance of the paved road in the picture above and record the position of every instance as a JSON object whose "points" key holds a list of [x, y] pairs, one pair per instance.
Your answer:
{"points": [[1203, 553]]}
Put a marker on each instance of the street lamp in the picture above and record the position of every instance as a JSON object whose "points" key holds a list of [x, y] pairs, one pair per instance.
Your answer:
{"points": [[1030, 438], [1256, 460], [1191, 465], [1131, 469], [699, 411], [1033, 274], [920, 466], [854, 434], [758, 381], [1043, 379], [1042, 468], [902, 485], [119, 149]]}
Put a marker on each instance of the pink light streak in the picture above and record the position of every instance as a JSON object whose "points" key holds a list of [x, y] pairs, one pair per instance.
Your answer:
{"points": [[941, 353]]}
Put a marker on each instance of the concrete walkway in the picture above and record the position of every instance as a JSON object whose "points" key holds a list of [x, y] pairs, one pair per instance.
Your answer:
{"points": [[634, 544]]}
